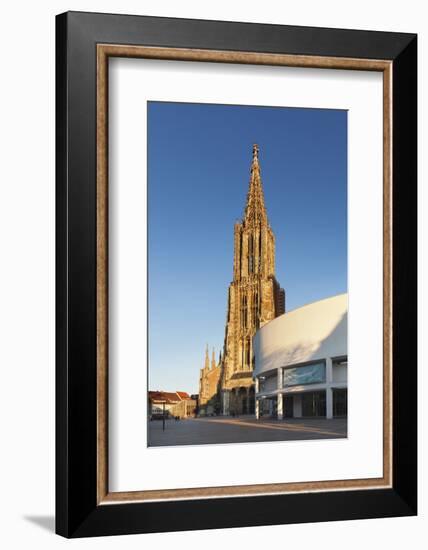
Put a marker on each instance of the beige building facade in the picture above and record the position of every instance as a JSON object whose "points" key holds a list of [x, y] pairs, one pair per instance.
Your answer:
{"points": [[254, 298], [171, 404]]}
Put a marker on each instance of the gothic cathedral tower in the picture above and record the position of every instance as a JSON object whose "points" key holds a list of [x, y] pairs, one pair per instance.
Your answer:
{"points": [[254, 298]]}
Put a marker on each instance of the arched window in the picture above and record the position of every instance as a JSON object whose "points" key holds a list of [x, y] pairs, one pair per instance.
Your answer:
{"points": [[256, 309], [244, 311], [243, 355], [250, 254], [248, 353]]}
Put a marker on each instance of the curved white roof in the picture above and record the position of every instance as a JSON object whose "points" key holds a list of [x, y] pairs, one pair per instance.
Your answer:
{"points": [[311, 332]]}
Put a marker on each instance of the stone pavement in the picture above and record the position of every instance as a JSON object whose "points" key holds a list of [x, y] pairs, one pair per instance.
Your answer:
{"points": [[244, 429]]}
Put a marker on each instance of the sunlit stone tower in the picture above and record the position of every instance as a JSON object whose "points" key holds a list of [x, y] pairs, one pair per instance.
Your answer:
{"points": [[254, 297]]}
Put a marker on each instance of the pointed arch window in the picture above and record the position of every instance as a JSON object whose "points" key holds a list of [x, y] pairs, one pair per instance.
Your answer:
{"points": [[256, 309], [248, 353], [244, 311], [250, 254]]}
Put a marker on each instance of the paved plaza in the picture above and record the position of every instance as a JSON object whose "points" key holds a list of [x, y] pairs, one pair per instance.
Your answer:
{"points": [[244, 429]]}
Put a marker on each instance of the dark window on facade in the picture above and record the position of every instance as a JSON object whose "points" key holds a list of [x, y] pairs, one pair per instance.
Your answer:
{"points": [[340, 402], [248, 353], [314, 403], [256, 309], [250, 254], [244, 311]]}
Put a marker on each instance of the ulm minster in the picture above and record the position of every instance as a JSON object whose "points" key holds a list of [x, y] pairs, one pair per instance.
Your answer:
{"points": [[254, 298], [273, 366]]}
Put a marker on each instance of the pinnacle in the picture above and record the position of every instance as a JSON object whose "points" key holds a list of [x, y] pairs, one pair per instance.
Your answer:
{"points": [[255, 152], [255, 209]]}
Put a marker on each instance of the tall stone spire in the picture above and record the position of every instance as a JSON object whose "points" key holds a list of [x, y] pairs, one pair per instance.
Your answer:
{"points": [[255, 210], [254, 249], [254, 298], [213, 363]]}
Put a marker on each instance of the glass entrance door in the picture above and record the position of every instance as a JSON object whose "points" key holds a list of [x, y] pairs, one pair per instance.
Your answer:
{"points": [[340, 402], [288, 406], [313, 403]]}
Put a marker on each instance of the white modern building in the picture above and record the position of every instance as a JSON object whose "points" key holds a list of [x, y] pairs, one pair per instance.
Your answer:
{"points": [[301, 360]]}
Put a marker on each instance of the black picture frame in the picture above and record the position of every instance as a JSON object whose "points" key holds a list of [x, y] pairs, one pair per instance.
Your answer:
{"points": [[77, 511]]}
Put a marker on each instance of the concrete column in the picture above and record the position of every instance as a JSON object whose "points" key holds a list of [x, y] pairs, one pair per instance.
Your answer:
{"points": [[328, 370], [329, 402], [279, 378], [329, 391], [256, 400], [297, 406], [279, 406], [279, 402]]}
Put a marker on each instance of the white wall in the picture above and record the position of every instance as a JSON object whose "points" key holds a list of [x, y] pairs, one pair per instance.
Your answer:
{"points": [[314, 331], [340, 373], [27, 270]]}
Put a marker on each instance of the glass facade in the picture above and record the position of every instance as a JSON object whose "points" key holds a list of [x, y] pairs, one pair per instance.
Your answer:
{"points": [[308, 374], [313, 404], [287, 406], [340, 402], [299, 396]]}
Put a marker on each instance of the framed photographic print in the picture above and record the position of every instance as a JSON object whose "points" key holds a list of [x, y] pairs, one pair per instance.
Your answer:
{"points": [[236, 274]]}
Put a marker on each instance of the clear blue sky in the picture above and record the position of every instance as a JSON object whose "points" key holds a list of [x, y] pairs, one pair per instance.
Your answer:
{"points": [[199, 160]]}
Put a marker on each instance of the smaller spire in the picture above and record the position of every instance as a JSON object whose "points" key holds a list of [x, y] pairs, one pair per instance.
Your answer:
{"points": [[207, 359], [213, 363]]}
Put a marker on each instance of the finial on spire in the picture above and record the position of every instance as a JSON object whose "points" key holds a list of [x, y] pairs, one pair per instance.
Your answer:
{"points": [[255, 152]]}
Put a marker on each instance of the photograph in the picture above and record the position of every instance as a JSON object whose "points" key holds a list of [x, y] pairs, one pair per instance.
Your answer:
{"points": [[247, 273]]}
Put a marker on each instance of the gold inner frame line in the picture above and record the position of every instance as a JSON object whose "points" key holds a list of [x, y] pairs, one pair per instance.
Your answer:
{"points": [[104, 51]]}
